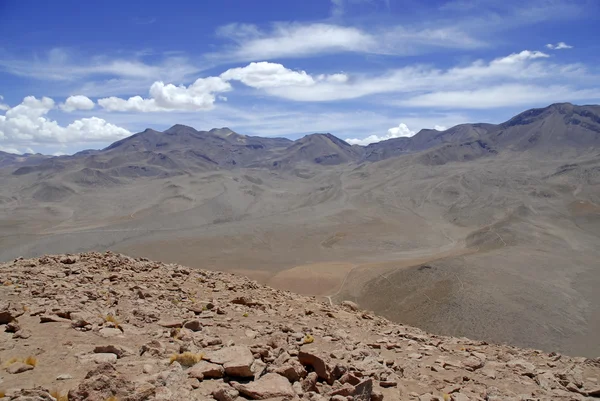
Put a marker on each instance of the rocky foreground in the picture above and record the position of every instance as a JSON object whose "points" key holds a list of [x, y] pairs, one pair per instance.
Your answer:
{"points": [[103, 326]]}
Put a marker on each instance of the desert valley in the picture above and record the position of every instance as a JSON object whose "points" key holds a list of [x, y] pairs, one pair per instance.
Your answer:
{"points": [[485, 231]]}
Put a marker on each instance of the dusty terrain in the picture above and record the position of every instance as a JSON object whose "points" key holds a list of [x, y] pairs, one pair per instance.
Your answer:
{"points": [[497, 241], [99, 326]]}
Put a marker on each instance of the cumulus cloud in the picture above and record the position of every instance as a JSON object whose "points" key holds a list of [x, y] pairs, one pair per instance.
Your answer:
{"points": [[401, 131], [268, 75], [167, 97], [27, 124], [77, 102], [558, 46]]}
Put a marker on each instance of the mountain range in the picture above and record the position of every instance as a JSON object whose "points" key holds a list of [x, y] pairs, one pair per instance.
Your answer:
{"points": [[558, 128]]}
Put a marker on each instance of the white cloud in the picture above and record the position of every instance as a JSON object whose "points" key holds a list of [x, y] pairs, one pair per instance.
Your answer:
{"points": [[558, 46], [3, 106], [268, 75], [77, 102], [167, 97], [62, 65], [337, 8], [501, 96], [295, 40], [10, 150], [528, 67], [26, 124], [439, 128], [401, 131]]}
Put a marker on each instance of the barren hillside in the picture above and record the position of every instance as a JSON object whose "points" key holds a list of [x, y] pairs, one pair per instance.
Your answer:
{"points": [[99, 325]]}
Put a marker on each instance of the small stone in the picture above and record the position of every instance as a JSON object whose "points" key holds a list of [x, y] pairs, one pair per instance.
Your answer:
{"points": [[64, 376], [171, 324], [18, 367], [193, 325]]}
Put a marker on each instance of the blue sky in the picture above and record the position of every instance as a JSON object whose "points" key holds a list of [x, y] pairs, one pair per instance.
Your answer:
{"points": [[77, 75]]}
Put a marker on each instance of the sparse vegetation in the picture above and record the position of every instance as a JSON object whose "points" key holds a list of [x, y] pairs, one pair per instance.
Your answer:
{"points": [[31, 361], [447, 397], [308, 339], [112, 398], [245, 314], [58, 396], [187, 358], [2, 394], [11, 361], [112, 319]]}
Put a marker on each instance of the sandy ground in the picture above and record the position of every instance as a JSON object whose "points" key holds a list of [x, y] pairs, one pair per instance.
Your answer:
{"points": [[501, 249]]}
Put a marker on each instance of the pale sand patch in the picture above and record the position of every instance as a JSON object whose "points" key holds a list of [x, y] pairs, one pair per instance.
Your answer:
{"points": [[312, 279]]}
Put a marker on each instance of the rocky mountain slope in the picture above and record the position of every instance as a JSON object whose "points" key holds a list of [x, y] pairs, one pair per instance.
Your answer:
{"points": [[103, 326]]}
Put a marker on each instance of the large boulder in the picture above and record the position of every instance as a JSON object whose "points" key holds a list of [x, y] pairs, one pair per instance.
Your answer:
{"points": [[237, 360], [270, 385]]}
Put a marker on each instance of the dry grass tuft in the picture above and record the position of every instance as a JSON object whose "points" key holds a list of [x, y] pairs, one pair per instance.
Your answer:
{"points": [[187, 358], [11, 361], [2, 394], [112, 398], [308, 339], [31, 361], [447, 397], [58, 396], [112, 319]]}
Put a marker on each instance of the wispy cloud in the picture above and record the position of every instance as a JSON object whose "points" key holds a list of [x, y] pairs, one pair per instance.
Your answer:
{"points": [[63, 65], [293, 40], [558, 46]]}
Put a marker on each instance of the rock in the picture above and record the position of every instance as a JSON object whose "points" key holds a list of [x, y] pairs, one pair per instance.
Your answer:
{"points": [[98, 358], [171, 324], [18, 367], [36, 394], [193, 325], [270, 385], [350, 305], [346, 390], [23, 334], [459, 397], [363, 390], [225, 393], [53, 319], [108, 332], [12, 327], [292, 370], [388, 383], [376, 396], [473, 363], [118, 350], [104, 382], [521, 364], [310, 382], [82, 319], [206, 370], [319, 363], [236, 360], [64, 376]]}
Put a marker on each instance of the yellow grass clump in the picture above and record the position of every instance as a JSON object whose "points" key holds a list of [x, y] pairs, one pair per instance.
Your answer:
{"points": [[308, 339], [58, 396], [11, 361], [187, 358], [112, 319], [2, 394], [31, 361]]}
